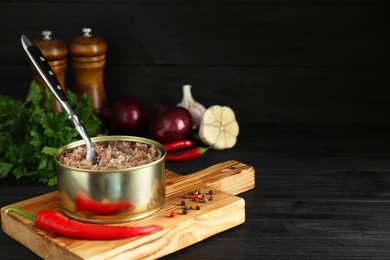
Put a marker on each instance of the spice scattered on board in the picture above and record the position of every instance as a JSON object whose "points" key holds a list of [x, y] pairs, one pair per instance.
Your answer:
{"points": [[196, 196]]}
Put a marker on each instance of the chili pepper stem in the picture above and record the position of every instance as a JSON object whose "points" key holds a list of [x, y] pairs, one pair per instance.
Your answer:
{"points": [[202, 150], [186, 154], [22, 213]]}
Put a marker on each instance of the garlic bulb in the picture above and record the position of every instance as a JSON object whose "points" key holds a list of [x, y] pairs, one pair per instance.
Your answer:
{"points": [[195, 108], [219, 127]]}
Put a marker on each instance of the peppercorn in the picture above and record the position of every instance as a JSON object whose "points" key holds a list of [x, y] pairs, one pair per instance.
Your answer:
{"points": [[204, 200], [185, 211], [182, 203], [210, 198], [200, 191], [197, 207], [195, 196], [210, 192], [172, 215]]}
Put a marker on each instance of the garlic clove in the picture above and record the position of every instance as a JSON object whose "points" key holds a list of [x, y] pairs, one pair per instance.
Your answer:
{"points": [[195, 108], [219, 127]]}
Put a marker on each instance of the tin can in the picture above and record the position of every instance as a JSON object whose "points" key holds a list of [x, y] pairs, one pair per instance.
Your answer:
{"points": [[112, 196]]}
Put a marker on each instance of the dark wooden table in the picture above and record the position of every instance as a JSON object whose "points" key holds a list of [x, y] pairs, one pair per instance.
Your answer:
{"points": [[322, 191], [319, 194]]}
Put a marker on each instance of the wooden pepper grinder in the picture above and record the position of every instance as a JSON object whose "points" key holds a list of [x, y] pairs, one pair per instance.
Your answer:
{"points": [[88, 56], [55, 52]]}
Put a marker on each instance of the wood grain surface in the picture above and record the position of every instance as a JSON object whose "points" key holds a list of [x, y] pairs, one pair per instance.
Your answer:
{"points": [[274, 62], [308, 81], [223, 212], [317, 196]]}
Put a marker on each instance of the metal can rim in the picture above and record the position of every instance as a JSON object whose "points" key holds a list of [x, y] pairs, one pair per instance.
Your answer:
{"points": [[158, 145]]}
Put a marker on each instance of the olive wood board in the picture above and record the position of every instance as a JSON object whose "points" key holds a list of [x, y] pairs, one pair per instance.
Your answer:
{"points": [[225, 211]]}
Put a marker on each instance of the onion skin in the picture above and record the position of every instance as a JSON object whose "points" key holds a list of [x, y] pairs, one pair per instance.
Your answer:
{"points": [[170, 124], [128, 116]]}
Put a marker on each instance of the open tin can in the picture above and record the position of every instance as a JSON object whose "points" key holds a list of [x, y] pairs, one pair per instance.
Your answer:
{"points": [[112, 196]]}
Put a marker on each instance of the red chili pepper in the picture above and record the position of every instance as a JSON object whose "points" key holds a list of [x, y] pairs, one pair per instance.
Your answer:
{"points": [[56, 222], [185, 155], [85, 203], [179, 145]]}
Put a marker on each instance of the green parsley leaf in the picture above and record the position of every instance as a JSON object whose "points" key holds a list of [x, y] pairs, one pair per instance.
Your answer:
{"points": [[5, 168], [49, 150], [31, 132]]}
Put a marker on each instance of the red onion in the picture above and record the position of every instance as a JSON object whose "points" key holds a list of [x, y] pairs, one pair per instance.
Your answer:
{"points": [[128, 116], [170, 123]]}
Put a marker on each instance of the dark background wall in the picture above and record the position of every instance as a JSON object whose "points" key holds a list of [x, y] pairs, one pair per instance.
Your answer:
{"points": [[274, 62]]}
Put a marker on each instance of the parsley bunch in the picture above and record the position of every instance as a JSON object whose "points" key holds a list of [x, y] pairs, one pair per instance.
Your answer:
{"points": [[31, 132]]}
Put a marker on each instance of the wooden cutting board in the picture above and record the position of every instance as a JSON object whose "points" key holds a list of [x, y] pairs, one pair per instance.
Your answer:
{"points": [[224, 212]]}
